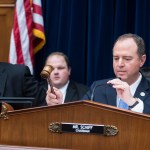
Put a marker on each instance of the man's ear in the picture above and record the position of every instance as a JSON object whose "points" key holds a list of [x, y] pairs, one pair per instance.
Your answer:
{"points": [[69, 70], [143, 59]]}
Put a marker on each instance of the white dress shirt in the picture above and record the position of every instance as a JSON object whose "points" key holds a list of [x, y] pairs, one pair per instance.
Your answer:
{"points": [[64, 91]]}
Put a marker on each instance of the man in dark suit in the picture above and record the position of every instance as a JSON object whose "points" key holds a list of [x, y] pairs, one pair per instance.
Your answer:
{"points": [[130, 90], [60, 79], [106, 94], [17, 81], [130, 86]]}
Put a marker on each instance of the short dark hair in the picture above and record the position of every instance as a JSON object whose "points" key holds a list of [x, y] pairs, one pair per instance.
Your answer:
{"points": [[61, 54], [138, 40]]}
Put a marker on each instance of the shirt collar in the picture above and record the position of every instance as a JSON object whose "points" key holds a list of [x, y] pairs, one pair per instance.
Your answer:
{"points": [[64, 89], [134, 86]]}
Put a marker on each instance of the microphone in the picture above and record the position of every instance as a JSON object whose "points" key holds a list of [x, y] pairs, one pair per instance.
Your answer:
{"points": [[0, 107], [93, 91]]}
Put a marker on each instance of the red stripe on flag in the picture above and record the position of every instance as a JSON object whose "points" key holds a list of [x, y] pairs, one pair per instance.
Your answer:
{"points": [[29, 26], [26, 30], [16, 33], [37, 9], [38, 26]]}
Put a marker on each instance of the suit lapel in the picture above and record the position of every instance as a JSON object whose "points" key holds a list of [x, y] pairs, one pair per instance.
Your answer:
{"points": [[3, 77], [70, 92], [142, 90]]}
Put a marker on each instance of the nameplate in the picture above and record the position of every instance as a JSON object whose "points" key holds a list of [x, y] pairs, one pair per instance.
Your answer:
{"points": [[60, 127]]}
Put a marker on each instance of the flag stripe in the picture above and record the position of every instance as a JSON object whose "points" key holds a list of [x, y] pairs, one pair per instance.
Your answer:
{"points": [[22, 9], [37, 19], [29, 28], [27, 35], [37, 2], [17, 42], [38, 26], [12, 53], [37, 9]]}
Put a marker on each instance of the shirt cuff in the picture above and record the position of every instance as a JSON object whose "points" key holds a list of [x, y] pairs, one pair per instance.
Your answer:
{"points": [[139, 107]]}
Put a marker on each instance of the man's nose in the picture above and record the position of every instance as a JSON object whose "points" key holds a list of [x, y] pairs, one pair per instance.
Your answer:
{"points": [[55, 70], [120, 62]]}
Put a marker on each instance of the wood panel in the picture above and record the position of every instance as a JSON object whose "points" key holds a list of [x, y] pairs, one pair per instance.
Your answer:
{"points": [[6, 22], [30, 127]]}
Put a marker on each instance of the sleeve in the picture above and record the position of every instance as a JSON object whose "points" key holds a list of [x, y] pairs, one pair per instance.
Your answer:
{"points": [[33, 88], [30, 85]]}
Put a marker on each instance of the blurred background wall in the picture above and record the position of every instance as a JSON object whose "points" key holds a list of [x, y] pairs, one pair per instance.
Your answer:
{"points": [[85, 30]]}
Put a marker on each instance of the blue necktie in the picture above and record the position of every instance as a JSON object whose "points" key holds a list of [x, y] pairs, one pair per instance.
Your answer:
{"points": [[123, 105]]}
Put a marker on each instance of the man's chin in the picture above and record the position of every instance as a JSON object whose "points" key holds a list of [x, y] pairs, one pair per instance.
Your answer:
{"points": [[57, 85], [122, 77]]}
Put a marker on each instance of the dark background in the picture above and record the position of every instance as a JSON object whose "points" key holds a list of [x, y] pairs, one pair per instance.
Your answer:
{"points": [[85, 31]]}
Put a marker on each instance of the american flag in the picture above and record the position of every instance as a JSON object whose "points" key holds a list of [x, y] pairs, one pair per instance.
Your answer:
{"points": [[27, 36]]}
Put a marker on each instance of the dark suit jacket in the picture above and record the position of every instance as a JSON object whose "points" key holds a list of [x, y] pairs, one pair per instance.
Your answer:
{"points": [[75, 91], [16, 81], [106, 94]]}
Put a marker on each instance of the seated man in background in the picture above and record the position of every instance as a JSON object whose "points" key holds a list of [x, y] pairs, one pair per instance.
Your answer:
{"points": [[130, 89], [71, 90], [17, 81]]}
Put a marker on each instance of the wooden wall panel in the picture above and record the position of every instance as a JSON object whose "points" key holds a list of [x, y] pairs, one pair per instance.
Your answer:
{"points": [[6, 22]]}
